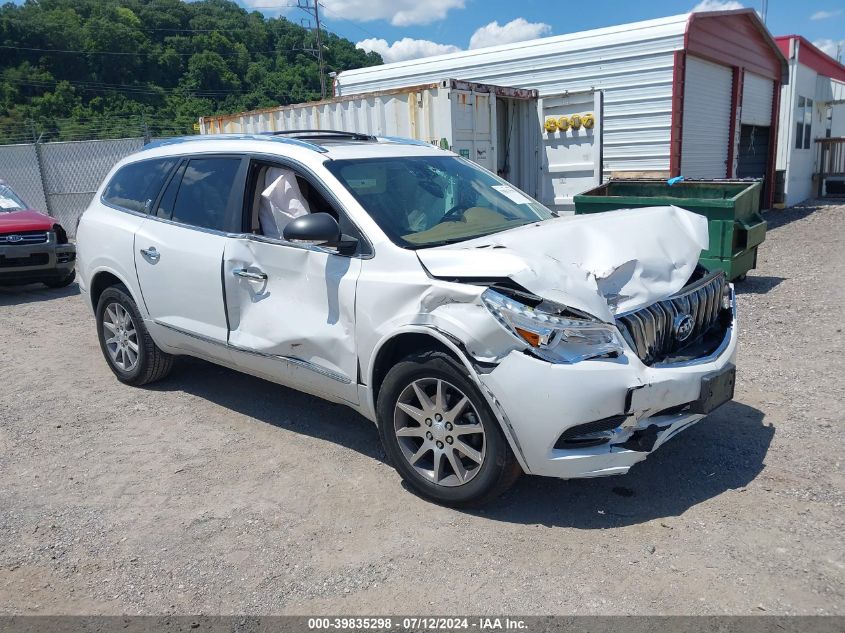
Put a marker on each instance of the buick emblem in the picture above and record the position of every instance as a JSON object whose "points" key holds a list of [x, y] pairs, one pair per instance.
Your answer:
{"points": [[13, 238], [683, 327]]}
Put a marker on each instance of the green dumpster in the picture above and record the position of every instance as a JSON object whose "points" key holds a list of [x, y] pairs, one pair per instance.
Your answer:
{"points": [[730, 206]]}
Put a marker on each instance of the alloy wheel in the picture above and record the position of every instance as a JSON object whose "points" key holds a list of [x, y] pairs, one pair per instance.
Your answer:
{"points": [[121, 336], [439, 432]]}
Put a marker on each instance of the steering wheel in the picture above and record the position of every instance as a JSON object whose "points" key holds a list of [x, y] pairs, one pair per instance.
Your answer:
{"points": [[455, 214]]}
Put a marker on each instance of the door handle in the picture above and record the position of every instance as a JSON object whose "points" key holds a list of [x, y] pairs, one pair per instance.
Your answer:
{"points": [[151, 253], [246, 274]]}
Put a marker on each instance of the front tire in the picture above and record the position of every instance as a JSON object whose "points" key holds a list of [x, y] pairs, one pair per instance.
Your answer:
{"points": [[439, 433], [127, 346]]}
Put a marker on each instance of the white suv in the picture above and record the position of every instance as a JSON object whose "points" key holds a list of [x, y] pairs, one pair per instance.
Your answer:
{"points": [[483, 334]]}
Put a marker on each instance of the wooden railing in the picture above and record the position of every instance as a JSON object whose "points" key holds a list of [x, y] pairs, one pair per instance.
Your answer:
{"points": [[831, 157]]}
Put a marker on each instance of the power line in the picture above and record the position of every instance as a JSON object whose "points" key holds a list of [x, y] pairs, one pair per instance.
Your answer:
{"points": [[313, 11], [355, 24], [93, 87], [123, 88], [138, 54]]}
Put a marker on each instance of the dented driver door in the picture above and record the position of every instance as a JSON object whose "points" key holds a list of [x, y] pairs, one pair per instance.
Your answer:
{"points": [[291, 314]]}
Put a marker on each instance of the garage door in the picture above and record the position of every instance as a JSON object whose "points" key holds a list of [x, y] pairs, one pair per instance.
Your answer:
{"points": [[757, 95], [707, 119]]}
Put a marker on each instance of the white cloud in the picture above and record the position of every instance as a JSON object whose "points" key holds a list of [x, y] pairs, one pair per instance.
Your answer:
{"points": [[718, 5], [264, 6], [824, 15], [489, 35], [406, 48], [517, 30], [829, 46], [397, 12]]}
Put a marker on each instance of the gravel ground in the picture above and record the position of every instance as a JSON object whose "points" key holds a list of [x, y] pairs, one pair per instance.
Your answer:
{"points": [[214, 492]]}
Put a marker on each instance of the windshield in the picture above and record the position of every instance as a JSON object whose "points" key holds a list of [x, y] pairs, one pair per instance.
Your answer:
{"points": [[8, 200], [424, 201]]}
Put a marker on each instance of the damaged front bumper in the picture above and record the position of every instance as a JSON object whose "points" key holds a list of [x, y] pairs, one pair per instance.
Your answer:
{"points": [[600, 417]]}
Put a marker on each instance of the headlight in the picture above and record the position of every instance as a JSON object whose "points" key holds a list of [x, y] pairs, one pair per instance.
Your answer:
{"points": [[553, 337]]}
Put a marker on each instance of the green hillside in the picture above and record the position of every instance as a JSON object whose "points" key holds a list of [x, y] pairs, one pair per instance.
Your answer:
{"points": [[73, 69]]}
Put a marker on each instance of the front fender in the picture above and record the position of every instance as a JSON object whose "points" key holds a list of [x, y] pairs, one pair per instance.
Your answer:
{"points": [[456, 347]]}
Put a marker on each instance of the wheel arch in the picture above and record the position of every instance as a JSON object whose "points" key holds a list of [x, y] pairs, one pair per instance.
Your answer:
{"points": [[105, 278], [404, 343], [421, 338]]}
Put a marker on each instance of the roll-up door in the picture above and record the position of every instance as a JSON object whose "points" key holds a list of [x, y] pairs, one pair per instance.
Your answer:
{"points": [[757, 93], [707, 119]]}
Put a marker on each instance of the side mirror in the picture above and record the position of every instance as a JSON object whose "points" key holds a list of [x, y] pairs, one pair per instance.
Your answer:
{"points": [[320, 229], [314, 228]]}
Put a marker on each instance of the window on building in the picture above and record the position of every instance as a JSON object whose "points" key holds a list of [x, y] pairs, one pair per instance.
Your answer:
{"points": [[828, 120], [808, 123], [799, 124]]}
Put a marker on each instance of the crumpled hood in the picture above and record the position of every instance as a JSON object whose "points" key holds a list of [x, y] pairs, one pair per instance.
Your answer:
{"points": [[14, 221], [603, 264]]}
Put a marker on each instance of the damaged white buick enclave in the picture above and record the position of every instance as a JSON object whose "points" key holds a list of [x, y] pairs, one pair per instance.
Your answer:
{"points": [[483, 334]]}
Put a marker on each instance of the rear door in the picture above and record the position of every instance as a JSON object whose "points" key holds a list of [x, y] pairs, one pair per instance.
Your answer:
{"points": [[179, 251], [571, 161]]}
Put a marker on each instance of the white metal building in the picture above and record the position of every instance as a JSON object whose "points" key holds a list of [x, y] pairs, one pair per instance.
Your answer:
{"points": [[812, 107], [694, 94]]}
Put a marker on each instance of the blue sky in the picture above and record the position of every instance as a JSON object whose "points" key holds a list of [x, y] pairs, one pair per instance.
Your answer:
{"points": [[423, 27]]}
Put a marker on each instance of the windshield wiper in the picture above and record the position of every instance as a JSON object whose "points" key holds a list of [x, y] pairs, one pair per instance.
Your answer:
{"points": [[466, 238], [453, 240]]}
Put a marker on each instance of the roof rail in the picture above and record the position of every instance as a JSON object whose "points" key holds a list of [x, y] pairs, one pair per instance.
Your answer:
{"points": [[403, 140], [326, 134], [236, 137]]}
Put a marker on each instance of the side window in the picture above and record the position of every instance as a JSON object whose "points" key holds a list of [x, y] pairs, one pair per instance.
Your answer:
{"points": [[210, 195], [168, 198], [278, 194], [136, 186]]}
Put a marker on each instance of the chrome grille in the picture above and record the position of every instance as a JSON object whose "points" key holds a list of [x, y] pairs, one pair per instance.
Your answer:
{"points": [[651, 331], [24, 238]]}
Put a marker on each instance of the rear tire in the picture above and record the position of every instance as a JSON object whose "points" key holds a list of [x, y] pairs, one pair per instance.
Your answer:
{"points": [[63, 282], [125, 342], [440, 434]]}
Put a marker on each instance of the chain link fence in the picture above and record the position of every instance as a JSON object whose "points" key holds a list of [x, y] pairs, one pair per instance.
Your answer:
{"points": [[60, 178]]}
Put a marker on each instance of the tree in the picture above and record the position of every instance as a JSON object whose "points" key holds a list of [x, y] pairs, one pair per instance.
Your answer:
{"points": [[101, 68]]}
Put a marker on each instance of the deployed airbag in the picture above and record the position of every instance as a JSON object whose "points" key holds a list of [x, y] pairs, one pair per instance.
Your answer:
{"points": [[281, 202]]}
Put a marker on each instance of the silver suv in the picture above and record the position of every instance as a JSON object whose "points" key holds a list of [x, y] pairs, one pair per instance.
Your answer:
{"points": [[484, 335]]}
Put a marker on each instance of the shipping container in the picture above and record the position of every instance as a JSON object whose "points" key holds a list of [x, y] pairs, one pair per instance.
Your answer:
{"points": [[506, 130]]}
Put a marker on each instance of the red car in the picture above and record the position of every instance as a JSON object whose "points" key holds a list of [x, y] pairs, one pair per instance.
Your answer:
{"points": [[33, 246]]}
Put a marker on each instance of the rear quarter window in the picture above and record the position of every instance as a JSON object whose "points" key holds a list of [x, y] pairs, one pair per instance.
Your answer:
{"points": [[135, 186]]}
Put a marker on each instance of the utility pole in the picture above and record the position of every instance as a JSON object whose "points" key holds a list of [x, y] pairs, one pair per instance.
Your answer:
{"points": [[312, 8]]}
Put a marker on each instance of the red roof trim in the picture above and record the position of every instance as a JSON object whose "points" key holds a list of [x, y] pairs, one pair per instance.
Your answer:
{"points": [[810, 55], [726, 57]]}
